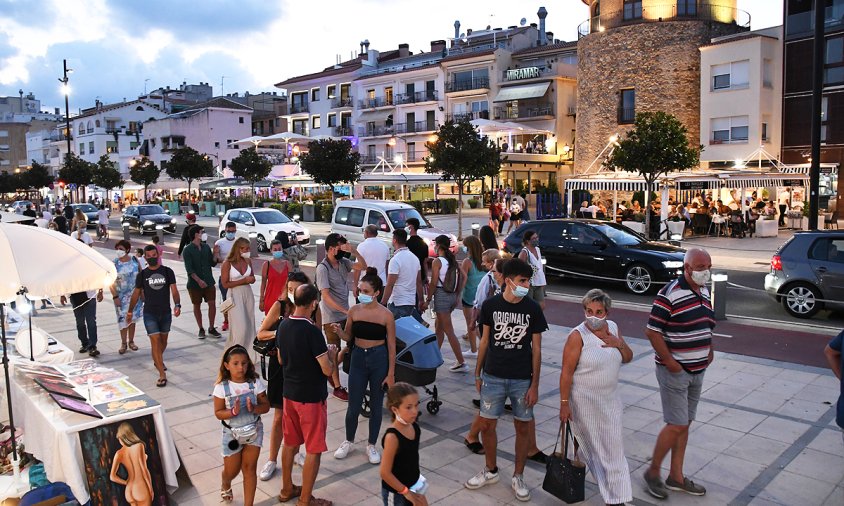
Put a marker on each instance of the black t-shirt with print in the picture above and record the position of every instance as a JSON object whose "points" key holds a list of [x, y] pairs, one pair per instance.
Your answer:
{"points": [[300, 342], [156, 286], [511, 328]]}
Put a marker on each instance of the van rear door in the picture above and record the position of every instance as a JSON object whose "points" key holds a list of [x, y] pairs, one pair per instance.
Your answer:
{"points": [[349, 222]]}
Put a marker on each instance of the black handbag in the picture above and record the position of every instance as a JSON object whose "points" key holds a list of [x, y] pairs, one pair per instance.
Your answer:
{"points": [[266, 348], [564, 479]]}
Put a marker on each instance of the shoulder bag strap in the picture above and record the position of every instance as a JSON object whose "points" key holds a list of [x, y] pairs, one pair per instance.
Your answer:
{"points": [[226, 389]]}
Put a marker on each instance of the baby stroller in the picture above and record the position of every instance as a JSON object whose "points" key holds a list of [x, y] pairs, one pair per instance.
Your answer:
{"points": [[737, 226]]}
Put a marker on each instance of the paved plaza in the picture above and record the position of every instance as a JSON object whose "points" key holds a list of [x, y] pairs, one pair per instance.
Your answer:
{"points": [[765, 432]]}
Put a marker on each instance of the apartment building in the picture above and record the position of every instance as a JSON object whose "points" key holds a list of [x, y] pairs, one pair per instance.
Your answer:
{"points": [[19, 117]]}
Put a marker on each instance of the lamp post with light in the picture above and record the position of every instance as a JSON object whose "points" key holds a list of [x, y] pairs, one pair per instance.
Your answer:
{"points": [[66, 92]]}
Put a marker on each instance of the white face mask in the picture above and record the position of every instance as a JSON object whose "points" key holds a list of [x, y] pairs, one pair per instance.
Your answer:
{"points": [[401, 420], [595, 322], [290, 296], [121, 253], [203, 237], [246, 255], [701, 278]]}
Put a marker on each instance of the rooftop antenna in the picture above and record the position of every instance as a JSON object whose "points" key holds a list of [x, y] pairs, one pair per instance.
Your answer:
{"points": [[145, 85], [222, 86], [522, 22]]}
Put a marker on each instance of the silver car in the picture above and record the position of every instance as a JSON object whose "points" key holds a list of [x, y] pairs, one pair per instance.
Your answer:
{"points": [[807, 273]]}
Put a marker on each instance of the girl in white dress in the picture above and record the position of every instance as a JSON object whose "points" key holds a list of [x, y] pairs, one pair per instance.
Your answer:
{"points": [[237, 278]]}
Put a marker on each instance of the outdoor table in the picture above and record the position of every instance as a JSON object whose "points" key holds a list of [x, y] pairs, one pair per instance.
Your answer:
{"points": [[766, 228], [676, 228]]}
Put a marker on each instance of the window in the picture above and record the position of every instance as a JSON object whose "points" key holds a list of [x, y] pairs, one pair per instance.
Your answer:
{"points": [[134, 145], [411, 151], [345, 91], [729, 130], [377, 219], [223, 164], [824, 118], [351, 216], [91, 148], [111, 125], [733, 75], [331, 91], [315, 121], [430, 120], [370, 152], [4, 133], [686, 7], [767, 73], [409, 88], [388, 95], [134, 127], [828, 250], [332, 120], [240, 119], [834, 61], [80, 129], [765, 132], [217, 144], [315, 95], [90, 127], [300, 126], [111, 147], [97, 123], [632, 9], [627, 106]]}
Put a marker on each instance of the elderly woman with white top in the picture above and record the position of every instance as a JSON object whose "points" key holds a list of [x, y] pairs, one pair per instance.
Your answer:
{"points": [[589, 396], [530, 254]]}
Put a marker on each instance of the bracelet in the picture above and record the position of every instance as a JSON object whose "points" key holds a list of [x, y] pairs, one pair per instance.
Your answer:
{"points": [[233, 415], [115, 298], [405, 491], [563, 401], [477, 378]]}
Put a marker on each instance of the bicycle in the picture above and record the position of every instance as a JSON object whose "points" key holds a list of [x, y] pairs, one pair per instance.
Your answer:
{"points": [[102, 232]]}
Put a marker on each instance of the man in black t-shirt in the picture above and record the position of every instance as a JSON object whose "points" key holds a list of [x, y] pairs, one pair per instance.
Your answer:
{"points": [[306, 362], [154, 282], [509, 359]]}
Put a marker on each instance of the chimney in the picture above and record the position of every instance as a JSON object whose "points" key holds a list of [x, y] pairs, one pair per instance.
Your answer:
{"points": [[437, 46], [362, 51], [366, 45], [457, 29], [404, 50], [543, 38], [468, 32], [371, 59]]}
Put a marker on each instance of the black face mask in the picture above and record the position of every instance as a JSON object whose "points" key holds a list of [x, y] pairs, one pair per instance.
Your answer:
{"points": [[342, 254], [152, 261]]}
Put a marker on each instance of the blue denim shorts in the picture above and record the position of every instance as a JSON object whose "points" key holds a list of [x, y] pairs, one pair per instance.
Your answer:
{"points": [[228, 437], [494, 391], [157, 323]]}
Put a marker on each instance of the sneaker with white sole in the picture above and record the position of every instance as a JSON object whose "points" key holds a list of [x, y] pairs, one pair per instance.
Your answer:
{"points": [[344, 449], [267, 471], [459, 367], [485, 477], [373, 454], [519, 487], [470, 354], [299, 459]]}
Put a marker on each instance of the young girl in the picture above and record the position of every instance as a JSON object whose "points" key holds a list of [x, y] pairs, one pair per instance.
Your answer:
{"points": [[401, 482], [157, 242], [240, 397]]}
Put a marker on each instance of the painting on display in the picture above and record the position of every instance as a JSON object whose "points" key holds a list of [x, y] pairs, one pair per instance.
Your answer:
{"points": [[123, 463]]}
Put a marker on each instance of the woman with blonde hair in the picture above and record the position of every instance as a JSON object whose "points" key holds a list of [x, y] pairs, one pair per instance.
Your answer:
{"points": [[236, 277], [79, 217], [133, 457]]}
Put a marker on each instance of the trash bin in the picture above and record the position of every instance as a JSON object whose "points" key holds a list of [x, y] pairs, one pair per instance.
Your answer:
{"points": [[308, 213]]}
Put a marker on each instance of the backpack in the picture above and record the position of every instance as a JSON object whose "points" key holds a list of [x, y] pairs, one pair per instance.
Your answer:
{"points": [[452, 278]]}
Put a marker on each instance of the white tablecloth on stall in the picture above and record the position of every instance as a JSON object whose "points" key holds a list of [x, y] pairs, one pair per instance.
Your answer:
{"points": [[50, 434]]}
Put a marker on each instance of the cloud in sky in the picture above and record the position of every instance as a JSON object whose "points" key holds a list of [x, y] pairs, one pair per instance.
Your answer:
{"points": [[115, 46]]}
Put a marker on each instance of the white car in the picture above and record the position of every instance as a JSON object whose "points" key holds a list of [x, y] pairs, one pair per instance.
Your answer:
{"points": [[266, 223], [19, 204]]}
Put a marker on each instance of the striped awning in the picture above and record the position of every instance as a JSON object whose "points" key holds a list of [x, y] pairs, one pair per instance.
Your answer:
{"points": [[764, 181], [603, 184], [803, 168]]}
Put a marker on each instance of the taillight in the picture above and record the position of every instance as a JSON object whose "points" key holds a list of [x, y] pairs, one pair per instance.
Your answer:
{"points": [[776, 263]]}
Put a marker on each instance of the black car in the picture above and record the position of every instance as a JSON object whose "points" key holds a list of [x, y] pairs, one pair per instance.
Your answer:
{"points": [[90, 212], [574, 247], [145, 218]]}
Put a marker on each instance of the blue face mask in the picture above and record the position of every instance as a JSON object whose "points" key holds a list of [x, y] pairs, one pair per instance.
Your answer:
{"points": [[230, 236], [519, 291], [464, 249], [278, 255], [365, 299]]}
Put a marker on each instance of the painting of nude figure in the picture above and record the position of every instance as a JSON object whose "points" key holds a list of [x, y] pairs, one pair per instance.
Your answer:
{"points": [[123, 465]]}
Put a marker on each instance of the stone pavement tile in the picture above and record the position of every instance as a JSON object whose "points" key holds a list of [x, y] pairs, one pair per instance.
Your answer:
{"points": [[201, 425], [818, 393], [764, 401], [729, 472], [652, 402], [634, 373], [712, 437], [344, 492], [635, 418], [836, 498], [790, 488], [768, 371], [794, 376], [827, 380], [723, 392], [737, 419], [756, 449], [202, 461], [828, 441], [782, 387], [632, 394], [745, 379], [805, 410], [779, 429], [639, 445], [818, 465], [211, 440], [696, 459], [758, 501], [445, 452]]}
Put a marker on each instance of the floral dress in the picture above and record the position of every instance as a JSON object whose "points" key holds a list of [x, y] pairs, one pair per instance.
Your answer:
{"points": [[125, 285]]}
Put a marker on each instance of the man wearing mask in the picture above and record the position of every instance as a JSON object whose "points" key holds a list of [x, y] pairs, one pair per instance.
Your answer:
{"points": [[332, 279], [680, 331], [222, 248], [190, 219], [198, 263], [420, 250], [85, 313]]}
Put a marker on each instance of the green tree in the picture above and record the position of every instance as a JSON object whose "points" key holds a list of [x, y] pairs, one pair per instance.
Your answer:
{"points": [[462, 155], [107, 176], [657, 145], [38, 176], [9, 183], [188, 165], [144, 172], [331, 162], [251, 167], [76, 171]]}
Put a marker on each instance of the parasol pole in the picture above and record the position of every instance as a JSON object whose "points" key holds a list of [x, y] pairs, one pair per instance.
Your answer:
{"points": [[8, 389]]}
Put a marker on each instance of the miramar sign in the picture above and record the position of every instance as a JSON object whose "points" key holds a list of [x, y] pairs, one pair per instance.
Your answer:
{"points": [[523, 73]]}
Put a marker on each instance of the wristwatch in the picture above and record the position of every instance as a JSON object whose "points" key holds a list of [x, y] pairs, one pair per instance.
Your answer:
{"points": [[177, 306]]}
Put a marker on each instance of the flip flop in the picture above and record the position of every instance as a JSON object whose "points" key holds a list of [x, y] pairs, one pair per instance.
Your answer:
{"points": [[133, 346], [315, 501], [122, 349], [162, 382], [477, 448], [294, 493]]}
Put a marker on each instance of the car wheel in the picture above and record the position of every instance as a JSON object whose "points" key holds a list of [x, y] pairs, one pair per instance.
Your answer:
{"points": [[801, 300], [262, 244], [639, 279]]}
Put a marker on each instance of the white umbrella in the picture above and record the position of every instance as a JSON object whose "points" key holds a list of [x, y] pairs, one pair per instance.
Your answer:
{"points": [[255, 139], [286, 138]]}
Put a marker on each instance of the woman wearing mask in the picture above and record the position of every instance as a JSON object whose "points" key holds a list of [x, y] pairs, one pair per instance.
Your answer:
{"points": [[530, 254], [236, 277], [473, 271], [370, 332], [446, 284], [488, 238], [273, 277], [589, 396], [128, 269]]}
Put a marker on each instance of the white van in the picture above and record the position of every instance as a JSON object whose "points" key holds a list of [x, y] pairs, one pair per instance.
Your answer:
{"points": [[352, 216]]}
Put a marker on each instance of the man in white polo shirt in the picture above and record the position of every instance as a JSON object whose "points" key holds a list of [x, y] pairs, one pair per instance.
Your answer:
{"points": [[404, 279], [376, 254]]}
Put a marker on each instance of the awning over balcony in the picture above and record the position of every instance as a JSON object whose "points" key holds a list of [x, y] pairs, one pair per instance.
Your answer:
{"points": [[522, 92], [376, 116]]}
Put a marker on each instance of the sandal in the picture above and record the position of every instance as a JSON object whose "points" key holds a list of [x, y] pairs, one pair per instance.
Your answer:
{"points": [[226, 495], [122, 349], [133, 346], [477, 448], [294, 493], [162, 382], [315, 501]]}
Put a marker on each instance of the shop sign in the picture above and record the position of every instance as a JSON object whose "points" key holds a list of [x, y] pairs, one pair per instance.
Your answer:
{"points": [[523, 73], [693, 185], [792, 182]]}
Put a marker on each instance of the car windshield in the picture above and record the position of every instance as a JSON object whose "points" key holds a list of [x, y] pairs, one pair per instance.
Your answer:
{"points": [[618, 235], [151, 210], [270, 216], [398, 217], [87, 208]]}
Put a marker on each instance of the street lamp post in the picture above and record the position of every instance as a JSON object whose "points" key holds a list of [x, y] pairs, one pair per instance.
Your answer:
{"points": [[66, 92]]}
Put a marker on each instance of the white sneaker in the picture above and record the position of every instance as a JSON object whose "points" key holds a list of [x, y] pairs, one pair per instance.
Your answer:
{"points": [[344, 449], [519, 487], [373, 454], [299, 459], [470, 354], [484, 477], [267, 471], [459, 367]]}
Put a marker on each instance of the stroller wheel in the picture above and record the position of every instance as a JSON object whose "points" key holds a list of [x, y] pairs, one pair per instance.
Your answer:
{"points": [[433, 407], [365, 408]]}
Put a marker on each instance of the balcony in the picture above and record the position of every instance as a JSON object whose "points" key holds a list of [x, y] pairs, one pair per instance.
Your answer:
{"points": [[342, 131], [416, 127], [468, 116], [626, 115], [476, 83], [376, 130], [368, 159], [342, 102], [526, 111], [667, 12], [298, 107], [303, 131], [419, 96], [395, 157], [375, 102]]}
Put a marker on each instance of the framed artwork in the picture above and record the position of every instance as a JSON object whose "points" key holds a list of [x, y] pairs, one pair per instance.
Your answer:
{"points": [[37, 368], [113, 391], [123, 463], [103, 375], [59, 387], [75, 405], [120, 407]]}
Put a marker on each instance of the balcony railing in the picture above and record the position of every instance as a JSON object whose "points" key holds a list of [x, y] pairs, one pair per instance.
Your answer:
{"points": [[342, 131], [468, 116], [298, 107], [419, 96], [667, 12], [416, 127], [372, 103], [476, 83], [525, 111], [394, 157], [339, 102], [376, 130], [626, 115]]}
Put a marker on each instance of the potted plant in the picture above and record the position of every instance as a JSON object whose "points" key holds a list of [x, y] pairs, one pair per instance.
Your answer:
{"points": [[473, 203]]}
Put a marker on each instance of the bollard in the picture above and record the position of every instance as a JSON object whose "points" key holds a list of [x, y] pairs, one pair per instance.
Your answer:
{"points": [[159, 231], [253, 244], [476, 229], [125, 226], [320, 250], [719, 295], [220, 217]]}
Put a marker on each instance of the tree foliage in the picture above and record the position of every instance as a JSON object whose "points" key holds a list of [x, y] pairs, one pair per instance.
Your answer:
{"points": [[76, 171], [251, 167], [145, 172], [657, 145], [462, 155], [331, 162], [38, 176], [187, 164], [9, 183], [107, 175]]}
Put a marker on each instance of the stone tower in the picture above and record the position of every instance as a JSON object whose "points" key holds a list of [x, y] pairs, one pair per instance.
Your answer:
{"points": [[643, 55]]}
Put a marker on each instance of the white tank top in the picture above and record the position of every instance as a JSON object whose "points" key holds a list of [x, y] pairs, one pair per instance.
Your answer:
{"points": [[443, 269], [538, 278], [235, 275]]}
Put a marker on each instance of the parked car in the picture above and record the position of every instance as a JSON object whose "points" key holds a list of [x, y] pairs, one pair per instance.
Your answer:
{"points": [[265, 222], [90, 212], [807, 272], [146, 217], [583, 247], [352, 216], [19, 204]]}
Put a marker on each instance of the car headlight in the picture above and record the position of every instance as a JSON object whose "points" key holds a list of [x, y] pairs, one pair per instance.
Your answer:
{"points": [[173, 221], [148, 223], [672, 264], [306, 231]]}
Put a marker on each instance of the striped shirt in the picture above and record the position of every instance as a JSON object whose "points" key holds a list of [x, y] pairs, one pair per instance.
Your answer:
{"points": [[685, 319]]}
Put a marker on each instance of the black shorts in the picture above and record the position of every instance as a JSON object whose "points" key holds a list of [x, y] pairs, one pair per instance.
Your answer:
{"points": [[516, 216], [275, 382]]}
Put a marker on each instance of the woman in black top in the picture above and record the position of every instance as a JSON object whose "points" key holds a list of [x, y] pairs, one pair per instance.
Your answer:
{"points": [[370, 332], [488, 238], [401, 482]]}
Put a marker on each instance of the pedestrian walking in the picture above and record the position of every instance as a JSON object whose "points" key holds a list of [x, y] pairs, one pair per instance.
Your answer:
{"points": [[446, 283], [156, 241], [80, 233], [85, 313], [515, 215], [222, 248], [376, 254], [128, 268], [421, 251], [472, 269], [488, 237], [531, 255], [835, 358], [156, 284], [273, 277], [680, 331], [590, 398], [198, 263], [80, 221], [401, 482], [494, 214], [61, 222], [237, 279], [190, 219], [404, 279], [102, 223]]}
